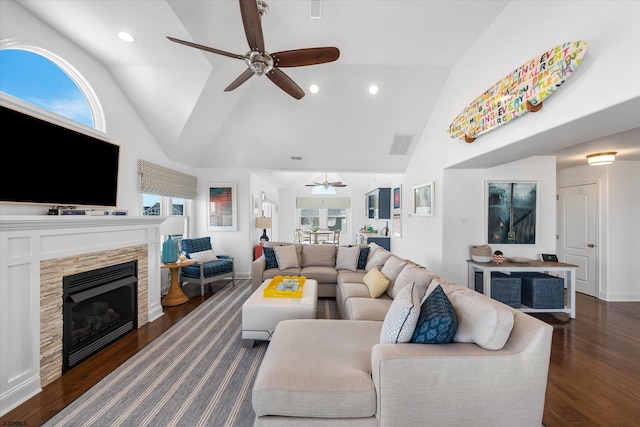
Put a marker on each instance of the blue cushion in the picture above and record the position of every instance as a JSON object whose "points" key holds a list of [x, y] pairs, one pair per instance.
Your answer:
{"points": [[437, 323], [195, 245], [211, 268], [270, 256], [362, 258]]}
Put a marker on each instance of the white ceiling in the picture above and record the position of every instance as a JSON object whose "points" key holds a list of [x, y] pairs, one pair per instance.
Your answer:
{"points": [[406, 47]]}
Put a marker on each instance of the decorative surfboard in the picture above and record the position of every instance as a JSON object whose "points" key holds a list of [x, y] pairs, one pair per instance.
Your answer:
{"points": [[520, 91]]}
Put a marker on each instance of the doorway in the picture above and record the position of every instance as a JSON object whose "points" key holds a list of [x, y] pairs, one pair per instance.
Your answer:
{"points": [[577, 234]]}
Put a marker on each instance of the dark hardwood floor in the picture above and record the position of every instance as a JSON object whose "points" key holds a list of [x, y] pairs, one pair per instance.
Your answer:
{"points": [[594, 374]]}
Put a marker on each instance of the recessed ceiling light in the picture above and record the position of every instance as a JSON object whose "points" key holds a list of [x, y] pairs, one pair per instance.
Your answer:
{"points": [[373, 89], [314, 88], [124, 36]]}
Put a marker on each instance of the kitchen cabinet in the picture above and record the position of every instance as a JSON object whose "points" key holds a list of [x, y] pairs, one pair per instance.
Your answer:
{"points": [[378, 203]]}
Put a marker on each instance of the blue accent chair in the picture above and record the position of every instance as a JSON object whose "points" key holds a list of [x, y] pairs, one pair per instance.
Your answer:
{"points": [[208, 272]]}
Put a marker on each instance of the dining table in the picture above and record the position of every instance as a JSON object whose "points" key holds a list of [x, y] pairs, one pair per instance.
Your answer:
{"points": [[313, 236]]}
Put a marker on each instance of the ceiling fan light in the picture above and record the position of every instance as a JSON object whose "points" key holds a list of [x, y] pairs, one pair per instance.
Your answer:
{"points": [[124, 36], [598, 159]]}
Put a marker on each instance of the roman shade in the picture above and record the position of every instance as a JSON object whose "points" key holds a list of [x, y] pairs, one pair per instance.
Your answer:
{"points": [[161, 181], [323, 202]]}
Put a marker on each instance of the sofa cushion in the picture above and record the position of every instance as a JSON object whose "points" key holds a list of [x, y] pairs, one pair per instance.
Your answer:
{"points": [[392, 268], [287, 257], [319, 273], [411, 273], [327, 376], [347, 258], [362, 257], [437, 323], [402, 317], [357, 308], [318, 255], [481, 320], [376, 282], [346, 276], [270, 257], [204, 256], [380, 256]]}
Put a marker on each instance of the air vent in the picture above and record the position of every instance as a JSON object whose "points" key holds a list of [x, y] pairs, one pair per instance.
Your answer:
{"points": [[401, 144], [314, 9], [296, 158]]}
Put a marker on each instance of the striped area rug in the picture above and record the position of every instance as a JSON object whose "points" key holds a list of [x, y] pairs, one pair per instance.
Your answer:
{"points": [[195, 374]]}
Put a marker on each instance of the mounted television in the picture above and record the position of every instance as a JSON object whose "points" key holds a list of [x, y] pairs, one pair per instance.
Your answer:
{"points": [[45, 163]]}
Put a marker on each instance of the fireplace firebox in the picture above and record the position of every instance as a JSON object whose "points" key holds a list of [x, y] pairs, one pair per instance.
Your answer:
{"points": [[99, 307]]}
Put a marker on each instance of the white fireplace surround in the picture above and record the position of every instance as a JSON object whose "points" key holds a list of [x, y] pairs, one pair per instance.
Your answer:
{"points": [[26, 241]]}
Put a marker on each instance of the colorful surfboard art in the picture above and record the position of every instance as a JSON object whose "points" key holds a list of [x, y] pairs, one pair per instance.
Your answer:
{"points": [[520, 91]]}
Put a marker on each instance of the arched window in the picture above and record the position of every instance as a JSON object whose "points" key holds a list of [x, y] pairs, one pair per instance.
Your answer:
{"points": [[40, 78]]}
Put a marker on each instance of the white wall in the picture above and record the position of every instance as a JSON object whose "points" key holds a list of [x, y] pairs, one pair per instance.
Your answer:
{"points": [[613, 37]]}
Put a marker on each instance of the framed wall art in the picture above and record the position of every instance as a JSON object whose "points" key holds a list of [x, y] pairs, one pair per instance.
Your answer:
{"points": [[222, 213], [423, 199], [397, 225], [397, 197], [255, 202], [512, 212]]}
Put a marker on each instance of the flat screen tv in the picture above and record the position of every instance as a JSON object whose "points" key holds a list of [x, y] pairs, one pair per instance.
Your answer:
{"points": [[45, 163]]}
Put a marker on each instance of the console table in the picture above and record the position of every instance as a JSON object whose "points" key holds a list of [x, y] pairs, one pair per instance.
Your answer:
{"points": [[533, 265]]}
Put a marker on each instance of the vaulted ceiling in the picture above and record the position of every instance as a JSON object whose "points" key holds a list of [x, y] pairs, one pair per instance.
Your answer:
{"points": [[406, 48]]}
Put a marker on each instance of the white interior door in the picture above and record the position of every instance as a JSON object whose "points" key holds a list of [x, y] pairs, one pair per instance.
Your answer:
{"points": [[577, 234]]}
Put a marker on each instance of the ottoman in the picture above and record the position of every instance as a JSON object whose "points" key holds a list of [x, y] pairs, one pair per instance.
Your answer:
{"points": [[261, 315]]}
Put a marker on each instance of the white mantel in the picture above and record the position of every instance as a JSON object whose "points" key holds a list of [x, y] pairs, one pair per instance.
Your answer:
{"points": [[25, 241]]}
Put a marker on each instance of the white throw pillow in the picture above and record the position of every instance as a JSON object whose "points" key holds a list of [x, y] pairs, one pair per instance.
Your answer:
{"points": [[204, 256], [347, 258], [378, 259], [286, 256], [402, 317]]}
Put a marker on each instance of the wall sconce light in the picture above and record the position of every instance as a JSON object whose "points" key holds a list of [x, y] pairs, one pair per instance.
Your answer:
{"points": [[264, 223], [598, 159]]}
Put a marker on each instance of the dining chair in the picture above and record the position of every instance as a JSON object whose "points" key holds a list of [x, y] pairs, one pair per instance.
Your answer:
{"points": [[335, 239], [301, 237]]}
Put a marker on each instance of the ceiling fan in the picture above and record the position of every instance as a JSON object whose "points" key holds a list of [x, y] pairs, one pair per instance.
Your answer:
{"points": [[260, 61], [326, 184]]}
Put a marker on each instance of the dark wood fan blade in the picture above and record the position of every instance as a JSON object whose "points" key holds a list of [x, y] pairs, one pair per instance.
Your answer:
{"points": [[207, 48], [241, 79], [285, 83], [301, 57], [252, 24]]}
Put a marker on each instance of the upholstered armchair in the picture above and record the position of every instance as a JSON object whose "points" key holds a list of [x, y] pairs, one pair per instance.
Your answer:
{"points": [[210, 267]]}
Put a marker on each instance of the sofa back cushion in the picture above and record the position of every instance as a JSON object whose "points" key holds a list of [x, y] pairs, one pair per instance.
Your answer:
{"points": [[379, 257], [411, 273], [318, 255], [392, 267], [481, 320]]}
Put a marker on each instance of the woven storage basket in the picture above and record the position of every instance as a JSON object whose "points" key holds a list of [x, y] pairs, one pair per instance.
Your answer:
{"points": [[481, 250], [541, 290]]}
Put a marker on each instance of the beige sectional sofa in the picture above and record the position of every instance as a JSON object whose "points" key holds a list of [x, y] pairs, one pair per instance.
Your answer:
{"points": [[338, 373]]}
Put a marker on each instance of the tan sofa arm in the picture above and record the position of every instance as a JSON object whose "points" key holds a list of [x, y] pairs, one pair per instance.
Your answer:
{"points": [[257, 269], [464, 383]]}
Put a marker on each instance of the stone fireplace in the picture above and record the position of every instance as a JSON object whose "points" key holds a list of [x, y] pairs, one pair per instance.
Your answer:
{"points": [[36, 252]]}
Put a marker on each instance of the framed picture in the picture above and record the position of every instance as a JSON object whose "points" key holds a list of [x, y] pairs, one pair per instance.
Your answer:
{"points": [[512, 211], [549, 257], [255, 202], [397, 225], [397, 197], [423, 199], [221, 207]]}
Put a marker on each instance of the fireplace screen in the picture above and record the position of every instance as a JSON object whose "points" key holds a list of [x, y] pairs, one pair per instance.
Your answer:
{"points": [[100, 306]]}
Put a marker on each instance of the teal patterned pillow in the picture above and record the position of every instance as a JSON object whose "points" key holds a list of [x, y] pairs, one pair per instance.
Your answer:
{"points": [[270, 256], [362, 258], [437, 323]]}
